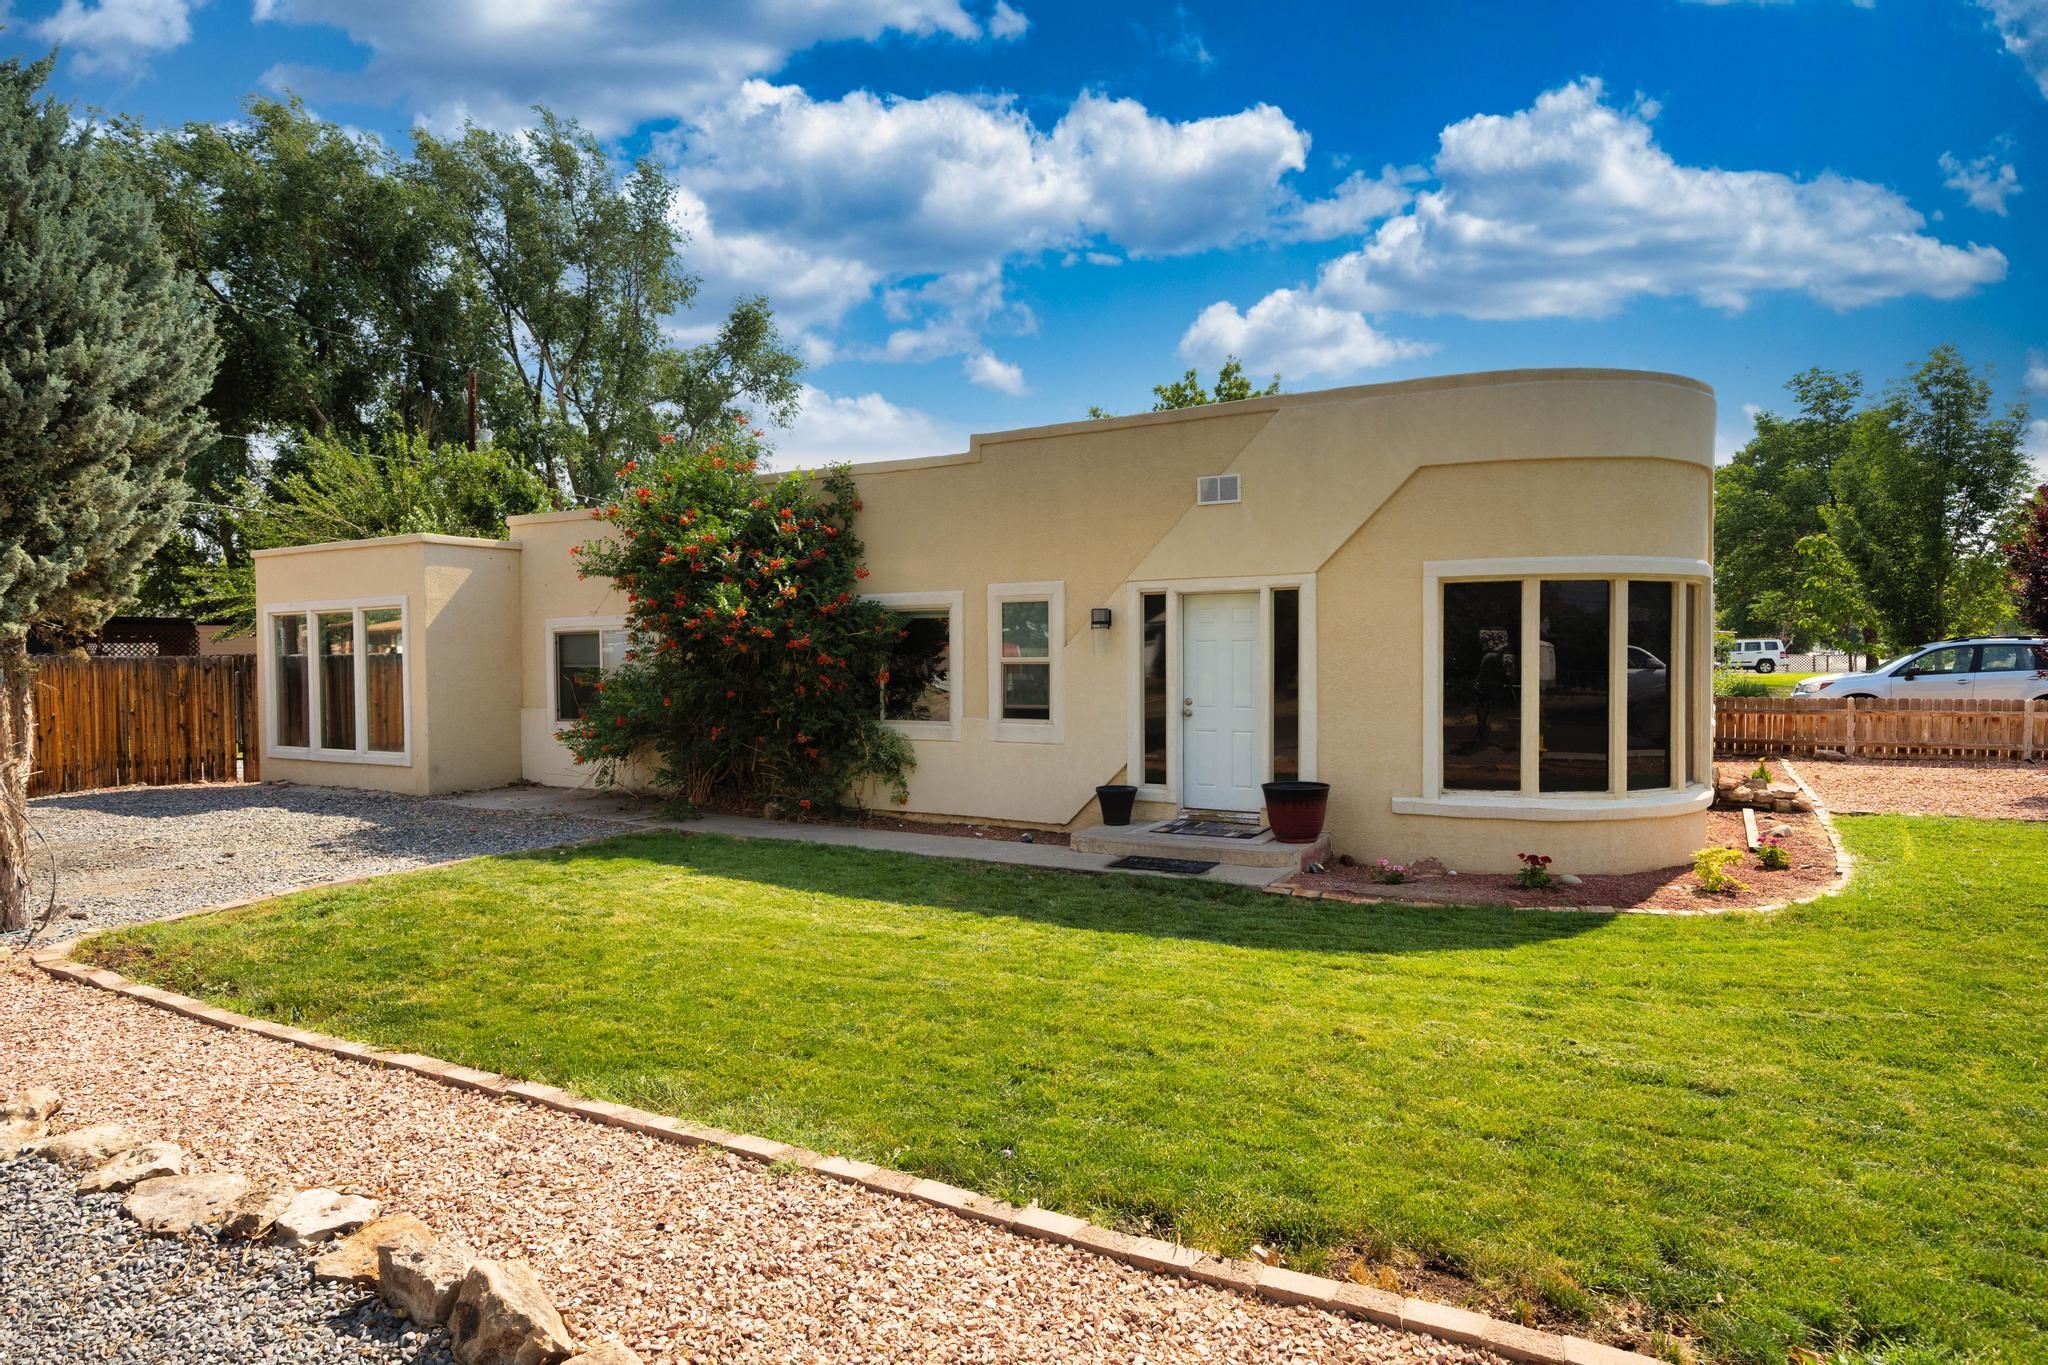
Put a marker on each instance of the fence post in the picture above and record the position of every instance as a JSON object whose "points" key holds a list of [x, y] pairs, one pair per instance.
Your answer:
{"points": [[1849, 739], [2027, 731]]}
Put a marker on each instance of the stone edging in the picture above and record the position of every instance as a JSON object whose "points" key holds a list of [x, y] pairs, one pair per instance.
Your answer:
{"points": [[1145, 1253]]}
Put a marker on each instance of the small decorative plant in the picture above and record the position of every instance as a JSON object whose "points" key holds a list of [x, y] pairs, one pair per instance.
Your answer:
{"points": [[1712, 866], [1535, 873], [1393, 874], [1762, 773], [1770, 852]]}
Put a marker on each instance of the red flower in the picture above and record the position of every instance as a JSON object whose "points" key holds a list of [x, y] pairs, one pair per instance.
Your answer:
{"points": [[805, 803], [629, 466], [668, 438], [861, 572]]}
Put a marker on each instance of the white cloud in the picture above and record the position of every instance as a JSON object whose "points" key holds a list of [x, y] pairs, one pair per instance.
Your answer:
{"points": [[1007, 23], [2035, 446], [990, 373], [2023, 26], [2037, 371], [1986, 182], [118, 36], [1570, 209], [1289, 334], [858, 427], [923, 203], [613, 65]]}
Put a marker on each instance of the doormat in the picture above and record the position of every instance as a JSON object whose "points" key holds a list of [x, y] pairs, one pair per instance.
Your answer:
{"points": [[1212, 829], [1192, 867]]}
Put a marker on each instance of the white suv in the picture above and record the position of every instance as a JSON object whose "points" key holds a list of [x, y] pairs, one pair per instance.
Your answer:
{"points": [[1990, 668], [1765, 656]]}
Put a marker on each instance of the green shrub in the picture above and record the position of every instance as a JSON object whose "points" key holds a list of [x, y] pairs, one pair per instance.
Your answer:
{"points": [[1711, 866], [757, 666], [1770, 852]]}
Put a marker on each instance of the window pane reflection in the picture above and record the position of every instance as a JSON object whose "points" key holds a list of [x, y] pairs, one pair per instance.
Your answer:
{"points": [[1573, 700], [1152, 672], [1286, 684], [1482, 686], [1649, 685]]}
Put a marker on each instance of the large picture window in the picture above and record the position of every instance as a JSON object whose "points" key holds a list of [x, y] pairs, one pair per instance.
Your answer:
{"points": [[920, 681], [338, 682], [1561, 685]]}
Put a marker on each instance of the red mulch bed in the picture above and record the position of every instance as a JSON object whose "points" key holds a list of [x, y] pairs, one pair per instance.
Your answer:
{"points": [[1669, 888]]}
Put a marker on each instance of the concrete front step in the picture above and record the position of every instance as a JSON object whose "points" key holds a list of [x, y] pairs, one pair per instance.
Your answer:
{"points": [[1143, 840]]}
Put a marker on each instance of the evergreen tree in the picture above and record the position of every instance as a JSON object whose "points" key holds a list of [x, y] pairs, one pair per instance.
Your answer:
{"points": [[105, 353]]}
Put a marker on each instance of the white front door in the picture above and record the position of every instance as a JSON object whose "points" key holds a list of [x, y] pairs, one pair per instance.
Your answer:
{"points": [[1220, 701]]}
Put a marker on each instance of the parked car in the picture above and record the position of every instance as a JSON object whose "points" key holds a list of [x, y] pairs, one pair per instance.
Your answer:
{"points": [[1989, 668], [1765, 656]]}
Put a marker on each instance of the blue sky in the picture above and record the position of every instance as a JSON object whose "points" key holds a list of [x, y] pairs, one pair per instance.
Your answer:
{"points": [[980, 214]]}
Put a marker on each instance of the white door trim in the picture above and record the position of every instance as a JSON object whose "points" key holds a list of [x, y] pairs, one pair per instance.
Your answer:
{"points": [[1134, 710]]}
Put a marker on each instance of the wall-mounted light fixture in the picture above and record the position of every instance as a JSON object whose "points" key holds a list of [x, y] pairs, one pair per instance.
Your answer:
{"points": [[1098, 618]]}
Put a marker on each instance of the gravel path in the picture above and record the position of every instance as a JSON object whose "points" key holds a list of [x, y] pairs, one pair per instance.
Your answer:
{"points": [[685, 1254], [1901, 786], [138, 853], [81, 1283]]}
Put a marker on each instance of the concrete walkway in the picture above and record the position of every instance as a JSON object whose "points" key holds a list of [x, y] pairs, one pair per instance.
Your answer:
{"points": [[644, 813]]}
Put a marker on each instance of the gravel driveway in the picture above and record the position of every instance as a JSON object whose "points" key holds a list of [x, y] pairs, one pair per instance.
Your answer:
{"points": [[138, 853], [686, 1254], [1902, 786], [81, 1283]]}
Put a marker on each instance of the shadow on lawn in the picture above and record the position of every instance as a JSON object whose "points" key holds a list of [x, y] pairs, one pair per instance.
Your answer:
{"points": [[1100, 903]]}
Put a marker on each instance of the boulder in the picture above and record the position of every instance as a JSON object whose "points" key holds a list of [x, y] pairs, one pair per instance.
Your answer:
{"points": [[179, 1203], [1567, 879], [255, 1211], [125, 1170], [502, 1316], [611, 1353], [1779, 830], [37, 1102], [354, 1258], [81, 1149], [421, 1281], [315, 1216]]}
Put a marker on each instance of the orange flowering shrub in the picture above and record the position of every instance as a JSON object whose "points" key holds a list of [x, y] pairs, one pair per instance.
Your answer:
{"points": [[756, 664]]}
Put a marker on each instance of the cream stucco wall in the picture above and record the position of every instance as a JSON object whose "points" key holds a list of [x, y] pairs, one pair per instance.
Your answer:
{"points": [[462, 603], [1347, 492]]}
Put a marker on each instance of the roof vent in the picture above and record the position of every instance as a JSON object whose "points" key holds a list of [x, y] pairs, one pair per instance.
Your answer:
{"points": [[1216, 488]]}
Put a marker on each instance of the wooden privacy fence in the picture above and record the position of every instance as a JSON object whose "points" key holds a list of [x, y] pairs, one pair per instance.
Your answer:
{"points": [[1936, 728], [150, 722]]}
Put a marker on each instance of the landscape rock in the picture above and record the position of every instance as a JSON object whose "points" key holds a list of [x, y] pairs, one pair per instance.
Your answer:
{"points": [[81, 1149], [1567, 879], [354, 1258], [1779, 830], [179, 1203], [255, 1211], [421, 1282], [502, 1316], [611, 1353], [316, 1215], [125, 1170], [36, 1102]]}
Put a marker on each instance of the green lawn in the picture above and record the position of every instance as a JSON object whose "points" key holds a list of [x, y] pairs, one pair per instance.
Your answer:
{"points": [[1828, 1127], [1778, 684]]}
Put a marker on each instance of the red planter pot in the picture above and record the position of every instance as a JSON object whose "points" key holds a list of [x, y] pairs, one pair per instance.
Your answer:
{"points": [[1295, 810]]}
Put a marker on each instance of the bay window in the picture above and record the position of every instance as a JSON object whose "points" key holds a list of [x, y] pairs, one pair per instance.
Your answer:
{"points": [[338, 681], [1558, 683]]}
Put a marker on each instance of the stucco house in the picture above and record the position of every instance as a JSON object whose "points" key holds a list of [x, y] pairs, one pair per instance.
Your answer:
{"points": [[1478, 606]]}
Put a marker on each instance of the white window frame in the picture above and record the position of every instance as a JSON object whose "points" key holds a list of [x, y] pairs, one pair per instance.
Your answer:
{"points": [[954, 604], [1176, 589], [1053, 729], [1531, 803], [570, 625], [267, 662]]}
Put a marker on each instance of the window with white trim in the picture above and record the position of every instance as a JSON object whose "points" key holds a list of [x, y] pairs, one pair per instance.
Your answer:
{"points": [[580, 654], [1567, 684], [338, 682], [919, 693], [1026, 628]]}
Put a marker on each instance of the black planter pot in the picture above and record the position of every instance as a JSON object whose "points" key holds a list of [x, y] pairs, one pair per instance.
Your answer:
{"points": [[1295, 810], [1116, 800]]}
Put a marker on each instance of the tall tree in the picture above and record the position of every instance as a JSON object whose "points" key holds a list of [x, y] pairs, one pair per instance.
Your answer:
{"points": [[1824, 603], [579, 267], [106, 349], [2027, 559], [1775, 493], [1925, 497], [1187, 391]]}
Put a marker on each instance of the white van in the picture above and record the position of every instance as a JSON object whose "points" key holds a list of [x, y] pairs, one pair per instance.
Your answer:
{"points": [[1765, 656]]}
